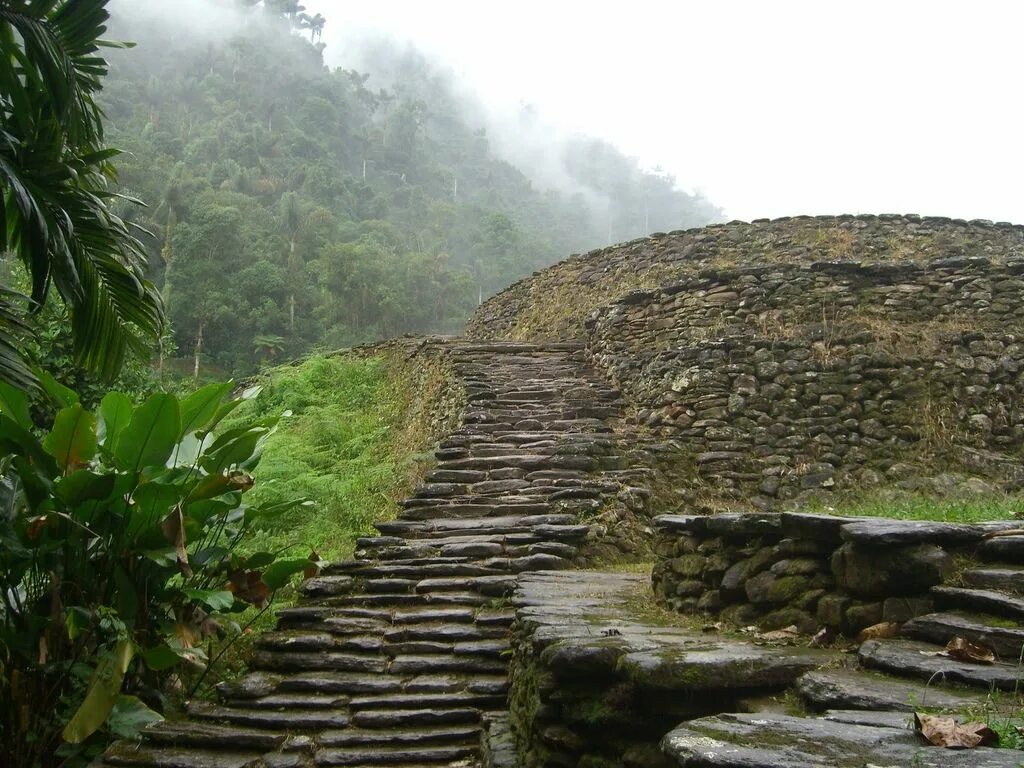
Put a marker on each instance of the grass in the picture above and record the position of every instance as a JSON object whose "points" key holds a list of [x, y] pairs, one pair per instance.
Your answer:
{"points": [[356, 443], [973, 509], [343, 447]]}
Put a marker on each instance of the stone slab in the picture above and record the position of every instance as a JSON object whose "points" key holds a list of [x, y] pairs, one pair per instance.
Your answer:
{"points": [[784, 741], [860, 689]]}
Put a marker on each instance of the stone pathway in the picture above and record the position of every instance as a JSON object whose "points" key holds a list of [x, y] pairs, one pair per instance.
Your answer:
{"points": [[394, 658], [865, 706]]}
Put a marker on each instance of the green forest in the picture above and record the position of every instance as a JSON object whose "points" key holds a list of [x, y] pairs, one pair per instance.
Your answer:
{"points": [[293, 207]]}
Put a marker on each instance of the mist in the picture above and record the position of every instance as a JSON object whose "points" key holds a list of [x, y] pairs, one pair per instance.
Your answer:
{"points": [[769, 108]]}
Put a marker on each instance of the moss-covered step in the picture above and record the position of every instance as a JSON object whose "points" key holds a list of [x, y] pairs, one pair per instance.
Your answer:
{"points": [[783, 741], [909, 658], [1004, 636], [866, 690]]}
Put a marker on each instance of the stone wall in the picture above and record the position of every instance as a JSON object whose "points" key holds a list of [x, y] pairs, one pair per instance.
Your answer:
{"points": [[554, 303], [780, 380], [790, 358], [812, 571]]}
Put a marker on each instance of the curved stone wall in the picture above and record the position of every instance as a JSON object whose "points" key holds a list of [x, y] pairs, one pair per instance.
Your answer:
{"points": [[898, 360], [553, 303]]}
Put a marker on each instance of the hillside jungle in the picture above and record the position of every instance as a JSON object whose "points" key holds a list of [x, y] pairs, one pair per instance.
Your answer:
{"points": [[295, 207], [180, 213]]}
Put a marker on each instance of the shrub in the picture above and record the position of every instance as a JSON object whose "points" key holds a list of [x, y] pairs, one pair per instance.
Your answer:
{"points": [[119, 532]]}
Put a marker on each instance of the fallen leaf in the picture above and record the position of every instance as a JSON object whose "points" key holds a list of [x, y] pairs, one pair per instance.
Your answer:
{"points": [[1012, 532], [786, 633], [879, 631], [964, 650], [822, 637], [947, 732]]}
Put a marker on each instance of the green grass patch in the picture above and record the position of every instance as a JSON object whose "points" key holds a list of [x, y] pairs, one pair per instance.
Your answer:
{"points": [[344, 447], [918, 507]]}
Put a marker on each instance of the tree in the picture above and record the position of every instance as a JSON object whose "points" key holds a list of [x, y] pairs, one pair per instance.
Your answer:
{"points": [[55, 174]]}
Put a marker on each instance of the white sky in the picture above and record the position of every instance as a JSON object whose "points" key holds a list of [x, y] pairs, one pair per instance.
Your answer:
{"points": [[770, 107]]}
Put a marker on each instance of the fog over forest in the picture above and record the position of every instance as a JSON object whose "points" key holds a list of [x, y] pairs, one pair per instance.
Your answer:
{"points": [[347, 204]]}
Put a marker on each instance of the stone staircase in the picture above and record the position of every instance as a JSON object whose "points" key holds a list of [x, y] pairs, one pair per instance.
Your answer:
{"points": [[986, 607], [397, 657]]}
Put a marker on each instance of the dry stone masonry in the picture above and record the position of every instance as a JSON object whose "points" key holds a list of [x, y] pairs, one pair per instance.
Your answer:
{"points": [[787, 359], [741, 366]]}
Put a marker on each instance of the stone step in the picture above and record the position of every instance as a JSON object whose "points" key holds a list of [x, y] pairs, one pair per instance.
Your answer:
{"points": [[277, 661], [422, 735], [125, 753], [443, 632], [404, 718], [989, 601], [397, 601], [1006, 579], [911, 658], [410, 701], [1008, 549], [389, 754], [209, 735], [421, 664], [940, 628], [355, 684], [289, 701], [306, 640], [768, 740], [284, 720], [863, 689]]}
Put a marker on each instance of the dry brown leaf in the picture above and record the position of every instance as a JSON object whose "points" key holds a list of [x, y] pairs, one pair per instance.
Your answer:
{"points": [[822, 637], [173, 527], [786, 633], [314, 565], [249, 586], [1011, 532], [879, 631], [964, 650], [947, 732]]}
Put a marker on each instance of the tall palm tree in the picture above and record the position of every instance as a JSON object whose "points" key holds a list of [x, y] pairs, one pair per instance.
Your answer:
{"points": [[55, 177]]}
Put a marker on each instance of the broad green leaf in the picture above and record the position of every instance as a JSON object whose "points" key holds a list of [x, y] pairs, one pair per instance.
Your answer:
{"points": [[151, 435], [115, 413], [102, 694], [280, 572], [60, 394], [83, 485], [259, 559], [14, 405], [160, 658], [129, 716], [200, 407], [152, 502], [217, 599], [187, 452], [72, 441]]}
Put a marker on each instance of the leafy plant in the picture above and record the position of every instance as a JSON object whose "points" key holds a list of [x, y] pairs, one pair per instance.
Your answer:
{"points": [[119, 532], [54, 179]]}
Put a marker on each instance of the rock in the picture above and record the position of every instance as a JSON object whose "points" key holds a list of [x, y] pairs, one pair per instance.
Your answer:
{"points": [[893, 571], [861, 689], [910, 658], [767, 587], [762, 740], [894, 533]]}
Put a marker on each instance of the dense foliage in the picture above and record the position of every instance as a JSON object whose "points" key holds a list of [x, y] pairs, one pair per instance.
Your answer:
{"points": [[119, 560], [294, 206], [55, 172]]}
